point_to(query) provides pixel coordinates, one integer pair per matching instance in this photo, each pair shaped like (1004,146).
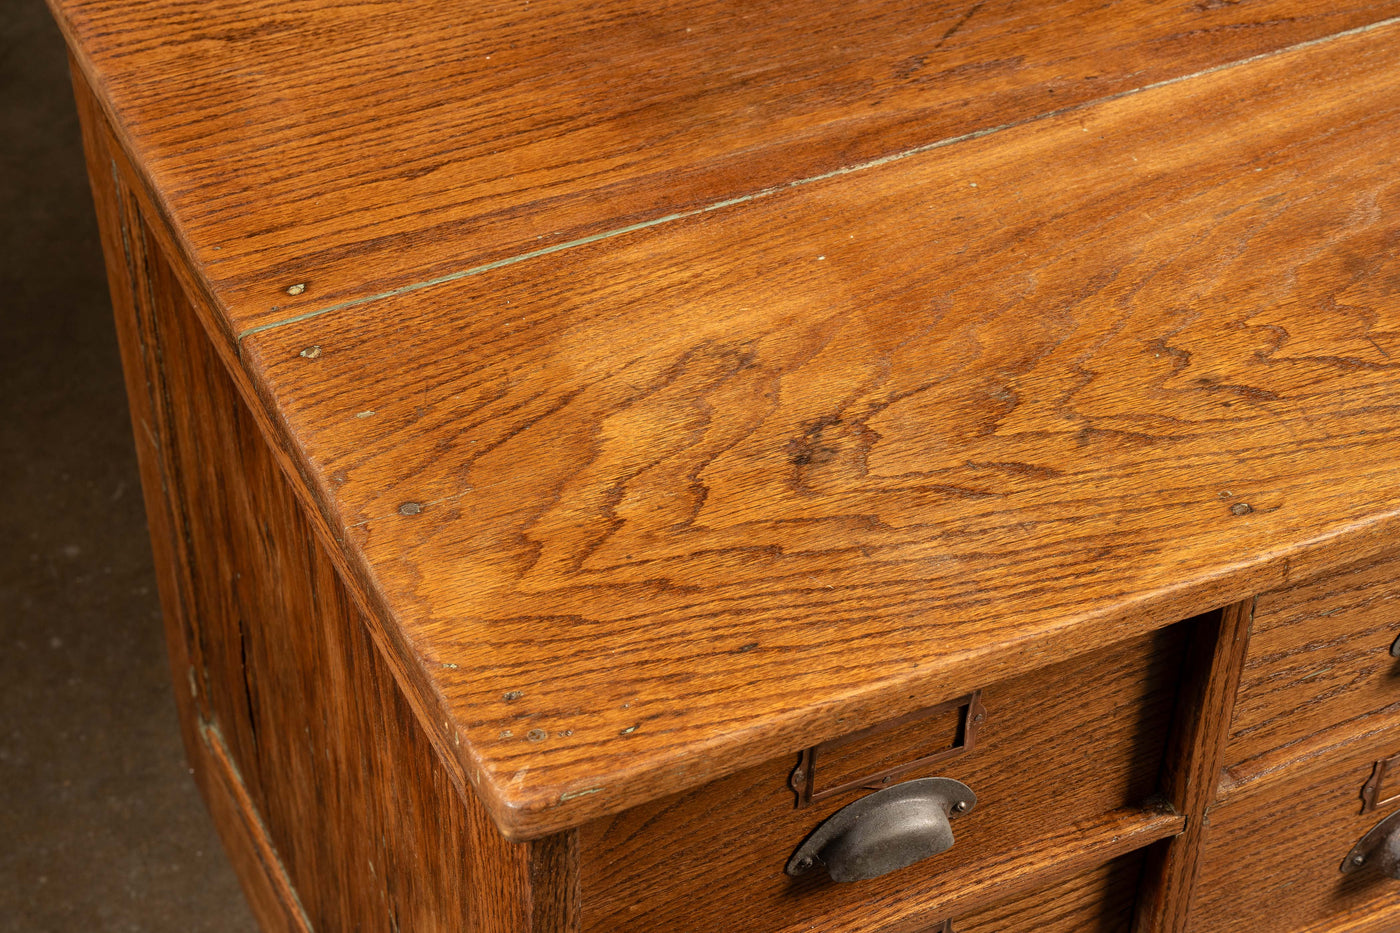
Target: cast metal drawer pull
(885,831)
(1381,846)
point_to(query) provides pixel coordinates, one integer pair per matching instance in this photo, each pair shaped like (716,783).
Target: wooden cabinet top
(686,385)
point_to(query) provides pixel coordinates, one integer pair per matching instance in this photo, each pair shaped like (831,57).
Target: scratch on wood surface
(578,793)
(962,21)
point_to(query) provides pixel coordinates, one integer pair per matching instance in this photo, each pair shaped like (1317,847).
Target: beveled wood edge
(270,872)
(1081,846)
(1290,761)
(1195,756)
(527,812)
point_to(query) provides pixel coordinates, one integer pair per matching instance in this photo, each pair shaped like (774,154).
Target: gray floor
(101,827)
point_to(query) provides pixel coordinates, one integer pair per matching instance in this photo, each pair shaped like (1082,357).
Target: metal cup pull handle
(1379,847)
(885,831)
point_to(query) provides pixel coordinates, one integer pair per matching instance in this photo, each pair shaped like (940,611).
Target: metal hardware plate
(804,777)
(1375,794)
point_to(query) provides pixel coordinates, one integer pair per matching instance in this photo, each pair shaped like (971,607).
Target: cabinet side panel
(335,808)
(263,880)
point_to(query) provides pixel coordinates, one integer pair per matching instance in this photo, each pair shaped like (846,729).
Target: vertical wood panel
(263,880)
(1196,754)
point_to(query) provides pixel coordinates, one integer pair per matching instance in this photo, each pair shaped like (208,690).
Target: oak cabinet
(589,449)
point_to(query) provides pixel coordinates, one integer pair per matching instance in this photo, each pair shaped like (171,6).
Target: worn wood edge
(272,874)
(1300,761)
(1080,846)
(1195,756)
(527,811)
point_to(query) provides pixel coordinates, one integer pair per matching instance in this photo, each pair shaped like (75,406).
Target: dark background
(101,827)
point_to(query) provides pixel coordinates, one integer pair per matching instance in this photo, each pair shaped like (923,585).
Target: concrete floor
(101,828)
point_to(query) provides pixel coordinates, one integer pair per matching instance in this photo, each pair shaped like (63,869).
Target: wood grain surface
(353,148)
(337,811)
(1098,901)
(1319,670)
(1095,728)
(660,507)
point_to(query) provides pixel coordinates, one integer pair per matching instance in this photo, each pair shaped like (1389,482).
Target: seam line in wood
(802,182)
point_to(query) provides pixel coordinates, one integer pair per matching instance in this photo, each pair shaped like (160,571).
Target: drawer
(1319,667)
(1065,766)
(1097,901)
(1274,849)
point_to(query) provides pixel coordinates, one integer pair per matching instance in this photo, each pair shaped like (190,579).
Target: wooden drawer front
(1319,667)
(1065,760)
(1274,850)
(1097,901)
